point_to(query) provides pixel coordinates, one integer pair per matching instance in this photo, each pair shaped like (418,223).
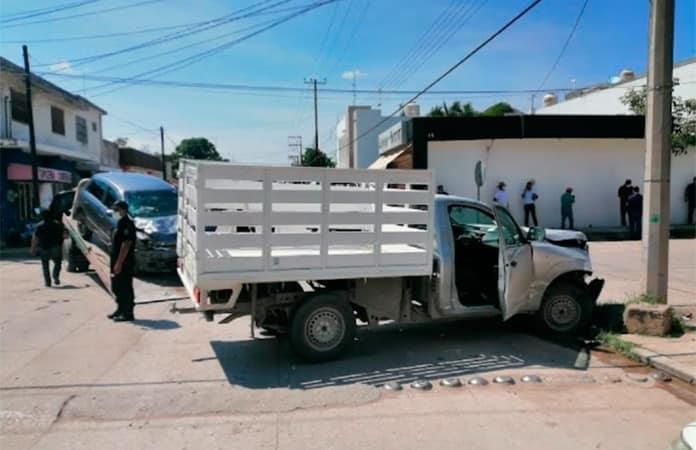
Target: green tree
(683,117)
(457,109)
(312,157)
(194,148)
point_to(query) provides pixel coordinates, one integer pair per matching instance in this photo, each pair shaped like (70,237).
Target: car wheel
(322,328)
(565,310)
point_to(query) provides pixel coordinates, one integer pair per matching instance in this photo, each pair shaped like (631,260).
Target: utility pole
(164,164)
(314,82)
(295,146)
(658,137)
(32,134)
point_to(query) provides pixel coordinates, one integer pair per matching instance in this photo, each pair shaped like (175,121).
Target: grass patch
(644,298)
(615,343)
(678,327)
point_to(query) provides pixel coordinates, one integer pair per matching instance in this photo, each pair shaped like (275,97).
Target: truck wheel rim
(562,313)
(324,329)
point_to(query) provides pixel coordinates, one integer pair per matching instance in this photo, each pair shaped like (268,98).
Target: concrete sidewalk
(675,356)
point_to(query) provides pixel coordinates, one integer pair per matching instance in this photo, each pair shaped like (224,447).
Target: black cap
(120,205)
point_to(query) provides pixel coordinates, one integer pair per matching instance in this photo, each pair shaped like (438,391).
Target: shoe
(56,282)
(122,318)
(114,314)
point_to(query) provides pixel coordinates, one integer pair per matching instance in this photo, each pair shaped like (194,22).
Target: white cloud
(62,66)
(353,74)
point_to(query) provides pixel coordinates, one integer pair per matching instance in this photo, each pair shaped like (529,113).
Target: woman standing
(529,197)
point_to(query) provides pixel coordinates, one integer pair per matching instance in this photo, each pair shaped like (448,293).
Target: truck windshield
(152,203)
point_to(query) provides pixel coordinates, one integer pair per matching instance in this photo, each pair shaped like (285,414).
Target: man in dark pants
(635,213)
(123,264)
(690,199)
(625,191)
(48,243)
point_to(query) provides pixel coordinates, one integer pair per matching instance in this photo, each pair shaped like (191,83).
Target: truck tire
(566,310)
(322,328)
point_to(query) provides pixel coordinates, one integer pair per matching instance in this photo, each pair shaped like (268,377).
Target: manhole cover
(478,381)
(531,379)
(451,382)
(393,386)
(423,385)
(503,379)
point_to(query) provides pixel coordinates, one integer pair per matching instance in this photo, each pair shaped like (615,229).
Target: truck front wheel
(322,328)
(565,310)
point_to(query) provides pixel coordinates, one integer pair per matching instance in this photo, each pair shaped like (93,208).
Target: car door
(516,265)
(107,220)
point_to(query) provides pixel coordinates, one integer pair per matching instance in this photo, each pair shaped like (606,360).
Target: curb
(663,363)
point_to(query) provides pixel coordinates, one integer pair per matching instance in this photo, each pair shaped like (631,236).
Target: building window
(57,120)
(81,129)
(94,126)
(19,106)
(25,201)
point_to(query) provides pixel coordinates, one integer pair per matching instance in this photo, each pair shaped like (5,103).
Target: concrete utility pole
(32,134)
(164,164)
(314,82)
(658,136)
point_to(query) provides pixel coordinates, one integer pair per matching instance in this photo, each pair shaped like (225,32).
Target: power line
(43,11)
(98,36)
(275,88)
(454,67)
(91,13)
(193,29)
(565,45)
(177,65)
(460,21)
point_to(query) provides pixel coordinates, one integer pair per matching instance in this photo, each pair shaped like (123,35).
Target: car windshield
(152,203)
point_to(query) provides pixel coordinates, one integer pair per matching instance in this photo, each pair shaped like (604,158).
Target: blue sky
(368,36)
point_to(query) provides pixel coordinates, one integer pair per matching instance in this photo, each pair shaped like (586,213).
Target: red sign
(22,172)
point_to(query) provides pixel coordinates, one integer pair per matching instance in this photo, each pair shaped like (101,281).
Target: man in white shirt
(501,196)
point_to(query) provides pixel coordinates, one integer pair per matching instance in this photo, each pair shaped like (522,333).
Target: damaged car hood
(158,228)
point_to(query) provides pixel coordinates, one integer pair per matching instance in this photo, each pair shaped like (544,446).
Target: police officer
(123,264)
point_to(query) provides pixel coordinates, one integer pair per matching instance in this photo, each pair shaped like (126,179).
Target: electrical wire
(565,45)
(198,27)
(178,65)
(43,11)
(98,36)
(91,13)
(451,69)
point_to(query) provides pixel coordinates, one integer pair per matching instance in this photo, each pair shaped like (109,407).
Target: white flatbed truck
(314,252)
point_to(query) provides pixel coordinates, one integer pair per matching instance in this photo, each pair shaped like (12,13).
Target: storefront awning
(22,172)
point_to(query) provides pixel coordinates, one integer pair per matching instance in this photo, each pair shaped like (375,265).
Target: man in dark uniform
(123,264)
(48,243)
(625,191)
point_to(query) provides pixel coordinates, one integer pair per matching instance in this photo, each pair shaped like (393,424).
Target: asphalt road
(71,379)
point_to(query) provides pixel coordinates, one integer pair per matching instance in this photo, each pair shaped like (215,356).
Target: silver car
(153,206)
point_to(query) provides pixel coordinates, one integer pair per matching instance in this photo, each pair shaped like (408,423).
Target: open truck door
(515,264)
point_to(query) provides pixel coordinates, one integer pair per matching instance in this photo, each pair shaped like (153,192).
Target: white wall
(608,101)
(593,167)
(53,143)
(367,147)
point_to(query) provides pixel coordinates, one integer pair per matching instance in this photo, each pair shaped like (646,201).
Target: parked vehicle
(315,252)
(152,203)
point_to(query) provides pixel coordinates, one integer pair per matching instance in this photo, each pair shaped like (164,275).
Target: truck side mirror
(536,234)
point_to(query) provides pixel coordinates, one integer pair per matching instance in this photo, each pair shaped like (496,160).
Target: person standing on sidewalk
(690,199)
(635,213)
(529,198)
(625,191)
(47,242)
(501,196)
(123,264)
(567,200)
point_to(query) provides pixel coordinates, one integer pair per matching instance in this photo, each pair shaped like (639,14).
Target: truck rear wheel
(566,310)
(322,328)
